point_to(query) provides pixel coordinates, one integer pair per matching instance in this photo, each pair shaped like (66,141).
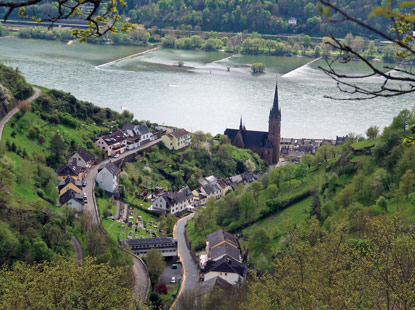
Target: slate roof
(186,190)
(173,198)
(179,133)
(115,137)
(68,169)
(84,154)
(226,264)
(207,286)
(68,180)
(225,249)
(151,241)
(68,195)
(128,126)
(251,138)
(222,235)
(142,129)
(112,168)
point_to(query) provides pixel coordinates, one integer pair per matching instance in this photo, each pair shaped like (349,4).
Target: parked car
(116,155)
(84,184)
(173,280)
(174,266)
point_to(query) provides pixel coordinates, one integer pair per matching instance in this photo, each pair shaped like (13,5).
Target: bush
(258,68)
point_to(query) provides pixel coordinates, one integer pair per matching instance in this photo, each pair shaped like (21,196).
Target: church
(265,144)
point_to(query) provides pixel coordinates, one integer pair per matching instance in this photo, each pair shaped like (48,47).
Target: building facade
(265,144)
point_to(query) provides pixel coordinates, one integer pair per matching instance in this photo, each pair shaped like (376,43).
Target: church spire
(275,114)
(240,124)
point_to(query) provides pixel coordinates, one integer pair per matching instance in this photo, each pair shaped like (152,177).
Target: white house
(139,131)
(81,158)
(72,199)
(114,143)
(173,202)
(107,177)
(226,268)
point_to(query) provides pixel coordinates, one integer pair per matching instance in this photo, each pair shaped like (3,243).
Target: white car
(173,280)
(116,155)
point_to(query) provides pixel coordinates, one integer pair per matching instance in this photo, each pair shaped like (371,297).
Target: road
(190,269)
(12,112)
(77,248)
(91,211)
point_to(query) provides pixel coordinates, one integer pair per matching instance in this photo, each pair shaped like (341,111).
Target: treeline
(270,17)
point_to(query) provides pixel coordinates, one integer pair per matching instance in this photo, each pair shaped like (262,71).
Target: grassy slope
(275,224)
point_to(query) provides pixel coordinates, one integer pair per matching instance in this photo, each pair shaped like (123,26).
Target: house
(69,184)
(107,177)
(81,158)
(114,143)
(174,202)
(226,268)
(292,21)
(212,190)
(140,247)
(177,140)
(71,170)
(140,131)
(72,199)
(199,198)
(221,236)
(207,286)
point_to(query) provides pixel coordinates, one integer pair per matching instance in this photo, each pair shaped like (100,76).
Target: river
(203,94)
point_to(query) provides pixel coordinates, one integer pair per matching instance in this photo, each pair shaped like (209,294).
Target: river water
(203,94)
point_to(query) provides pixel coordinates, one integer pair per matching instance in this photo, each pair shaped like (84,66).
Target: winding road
(91,211)
(190,269)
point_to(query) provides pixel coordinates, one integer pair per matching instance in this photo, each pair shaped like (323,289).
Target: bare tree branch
(392,84)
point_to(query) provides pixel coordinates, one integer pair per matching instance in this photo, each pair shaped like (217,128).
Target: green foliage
(258,68)
(155,265)
(41,287)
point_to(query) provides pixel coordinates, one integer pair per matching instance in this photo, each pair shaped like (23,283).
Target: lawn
(365,143)
(275,224)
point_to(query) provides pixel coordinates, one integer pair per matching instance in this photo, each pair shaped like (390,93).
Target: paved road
(190,269)
(12,112)
(77,248)
(91,211)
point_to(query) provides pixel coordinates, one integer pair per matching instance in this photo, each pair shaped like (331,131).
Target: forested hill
(269,17)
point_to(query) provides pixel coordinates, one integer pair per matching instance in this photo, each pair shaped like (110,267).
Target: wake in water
(300,70)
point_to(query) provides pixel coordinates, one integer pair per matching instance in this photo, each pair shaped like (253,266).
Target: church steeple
(240,124)
(275,114)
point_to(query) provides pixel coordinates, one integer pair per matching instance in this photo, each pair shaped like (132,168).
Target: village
(139,229)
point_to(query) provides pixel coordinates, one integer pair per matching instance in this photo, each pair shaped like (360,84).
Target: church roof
(251,138)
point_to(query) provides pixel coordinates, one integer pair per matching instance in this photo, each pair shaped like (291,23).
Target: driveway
(169,272)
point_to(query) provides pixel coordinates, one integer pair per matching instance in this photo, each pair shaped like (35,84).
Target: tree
(167,223)
(372,132)
(155,265)
(400,35)
(40,286)
(258,68)
(247,204)
(307,159)
(406,186)
(57,147)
